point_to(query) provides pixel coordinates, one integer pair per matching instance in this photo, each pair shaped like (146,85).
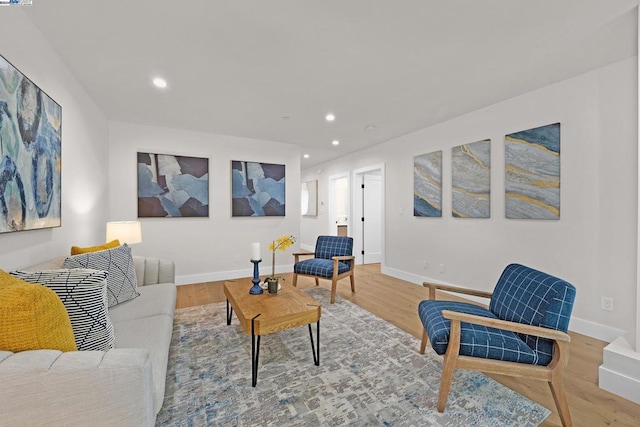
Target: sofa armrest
(48,387)
(150,271)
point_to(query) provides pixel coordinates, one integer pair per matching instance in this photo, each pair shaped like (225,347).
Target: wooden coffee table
(265,314)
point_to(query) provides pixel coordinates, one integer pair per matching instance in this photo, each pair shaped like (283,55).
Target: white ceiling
(237,67)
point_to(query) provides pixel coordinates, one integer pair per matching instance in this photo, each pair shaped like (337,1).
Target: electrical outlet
(236,258)
(607,304)
(425,264)
(443,268)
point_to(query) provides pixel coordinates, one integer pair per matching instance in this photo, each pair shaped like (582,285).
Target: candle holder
(255,289)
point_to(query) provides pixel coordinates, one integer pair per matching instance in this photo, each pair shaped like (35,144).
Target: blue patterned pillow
(83,293)
(122,284)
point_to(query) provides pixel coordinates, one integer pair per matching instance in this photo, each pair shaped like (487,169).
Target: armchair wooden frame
(334,279)
(552,373)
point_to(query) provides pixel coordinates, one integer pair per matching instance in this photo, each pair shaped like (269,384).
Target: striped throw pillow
(83,293)
(122,284)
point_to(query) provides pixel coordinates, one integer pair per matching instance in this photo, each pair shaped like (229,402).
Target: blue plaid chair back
(529,296)
(330,246)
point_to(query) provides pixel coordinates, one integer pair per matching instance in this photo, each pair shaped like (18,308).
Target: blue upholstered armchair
(333,259)
(523,332)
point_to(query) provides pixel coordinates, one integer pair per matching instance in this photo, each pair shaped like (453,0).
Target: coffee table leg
(316,354)
(229,313)
(255,353)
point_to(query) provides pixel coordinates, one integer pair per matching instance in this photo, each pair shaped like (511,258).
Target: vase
(272,285)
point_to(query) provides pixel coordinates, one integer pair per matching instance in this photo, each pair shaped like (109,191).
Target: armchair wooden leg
(425,340)
(317,282)
(334,282)
(560,398)
(295,279)
(353,282)
(449,364)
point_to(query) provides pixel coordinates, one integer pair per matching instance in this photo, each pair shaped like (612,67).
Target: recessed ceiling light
(330,117)
(306,156)
(335,142)
(370,128)
(160,82)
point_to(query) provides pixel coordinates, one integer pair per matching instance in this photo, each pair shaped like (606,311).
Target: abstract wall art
(427,184)
(172,186)
(257,189)
(532,173)
(471,180)
(30,154)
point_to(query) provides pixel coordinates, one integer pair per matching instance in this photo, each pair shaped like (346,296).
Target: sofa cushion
(122,282)
(154,334)
(76,250)
(153,300)
(32,317)
(84,294)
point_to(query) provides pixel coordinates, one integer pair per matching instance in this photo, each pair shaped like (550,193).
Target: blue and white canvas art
(532,173)
(258,189)
(172,186)
(30,154)
(427,184)
(471,180)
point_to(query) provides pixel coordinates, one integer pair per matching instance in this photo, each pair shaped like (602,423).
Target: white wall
(593,245)
(84,149)
(204,248)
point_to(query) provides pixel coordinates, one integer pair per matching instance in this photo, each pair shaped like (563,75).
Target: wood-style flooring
(397,301)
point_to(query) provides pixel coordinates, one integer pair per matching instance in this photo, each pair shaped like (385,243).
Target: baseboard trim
(620,370)
(581,326)
(228,275)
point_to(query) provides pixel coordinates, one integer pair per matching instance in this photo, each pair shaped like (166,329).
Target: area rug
(370,374)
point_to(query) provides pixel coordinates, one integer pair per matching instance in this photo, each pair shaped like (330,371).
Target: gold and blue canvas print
(471,180)
(532,173)
(172,186)
(427,184)
(257,189)
(30,154)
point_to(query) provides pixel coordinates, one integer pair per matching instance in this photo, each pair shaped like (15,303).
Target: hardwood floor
(397,302)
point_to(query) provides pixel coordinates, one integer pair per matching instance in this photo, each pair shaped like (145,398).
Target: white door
(339,202)
(368,214)
(372,224)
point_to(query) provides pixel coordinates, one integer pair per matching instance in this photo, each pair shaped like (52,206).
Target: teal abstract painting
(532,173)
(471,180)
(427,184)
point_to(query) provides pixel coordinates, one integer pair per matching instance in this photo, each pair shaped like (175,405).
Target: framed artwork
(532,173)
(471,180)
(257,189)
(172,186)
(30,154)
(309,198)
(427,184)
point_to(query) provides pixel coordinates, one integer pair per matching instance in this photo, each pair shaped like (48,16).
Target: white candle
(255,251)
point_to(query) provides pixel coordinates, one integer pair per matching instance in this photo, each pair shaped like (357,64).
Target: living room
(593,245)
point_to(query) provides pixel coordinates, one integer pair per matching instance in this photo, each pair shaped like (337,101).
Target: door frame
(357,211)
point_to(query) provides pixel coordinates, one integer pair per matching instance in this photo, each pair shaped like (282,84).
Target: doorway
(369,213)
(339,203)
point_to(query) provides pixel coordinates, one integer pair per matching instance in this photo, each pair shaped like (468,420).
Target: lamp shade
(128,232)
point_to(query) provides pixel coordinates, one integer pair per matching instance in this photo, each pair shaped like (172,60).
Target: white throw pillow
(83,293)
(122,284)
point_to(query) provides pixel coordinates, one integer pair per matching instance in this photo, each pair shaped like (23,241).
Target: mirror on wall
(309,198)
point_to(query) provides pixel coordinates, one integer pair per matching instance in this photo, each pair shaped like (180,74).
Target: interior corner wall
(84,149)
(593,245)
(204,249)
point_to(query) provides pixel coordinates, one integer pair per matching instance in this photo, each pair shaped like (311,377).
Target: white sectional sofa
(121,387)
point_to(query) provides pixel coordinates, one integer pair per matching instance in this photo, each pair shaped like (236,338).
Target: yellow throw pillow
(32,317)
(76,250)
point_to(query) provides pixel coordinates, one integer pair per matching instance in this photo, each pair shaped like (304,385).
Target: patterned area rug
(370,373)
